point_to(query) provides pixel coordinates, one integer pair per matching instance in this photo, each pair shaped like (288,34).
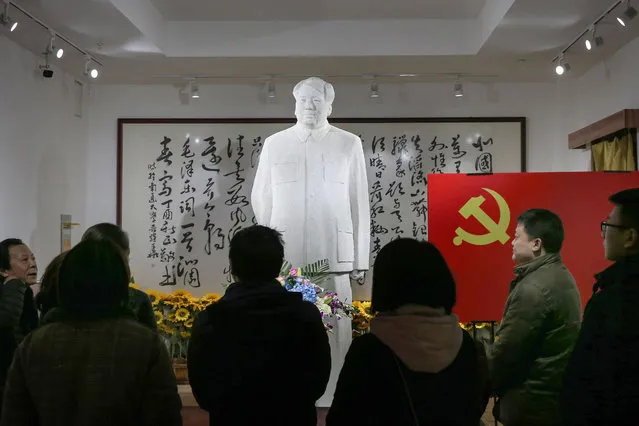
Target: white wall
(42,152)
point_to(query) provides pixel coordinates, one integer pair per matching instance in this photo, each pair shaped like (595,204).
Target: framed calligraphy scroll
(184,184)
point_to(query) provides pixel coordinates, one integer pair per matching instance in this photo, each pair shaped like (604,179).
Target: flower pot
(181,371)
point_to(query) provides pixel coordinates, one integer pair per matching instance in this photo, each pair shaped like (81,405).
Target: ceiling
(293,10)
(169,41)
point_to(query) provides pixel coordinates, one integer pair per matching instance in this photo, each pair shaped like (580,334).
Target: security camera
(47,72)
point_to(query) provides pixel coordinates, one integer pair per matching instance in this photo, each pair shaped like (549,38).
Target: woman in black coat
(417,366)
(139,303)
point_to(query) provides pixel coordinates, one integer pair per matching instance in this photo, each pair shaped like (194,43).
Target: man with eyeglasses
(601,383)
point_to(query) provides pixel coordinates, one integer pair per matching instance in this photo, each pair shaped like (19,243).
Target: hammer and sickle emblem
(496,231)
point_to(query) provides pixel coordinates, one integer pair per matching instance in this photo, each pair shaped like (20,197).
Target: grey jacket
(534,341)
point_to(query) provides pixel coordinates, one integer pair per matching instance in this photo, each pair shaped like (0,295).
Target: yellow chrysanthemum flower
(171,317)
(155,296)
(185,334)
(158,317)
(188,323)
(164,329)
(182,314)
(181,293)
(213,297)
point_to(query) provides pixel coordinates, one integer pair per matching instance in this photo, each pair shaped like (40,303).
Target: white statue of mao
(311,186)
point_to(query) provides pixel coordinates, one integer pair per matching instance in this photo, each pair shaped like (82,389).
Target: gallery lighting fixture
(195,91)
(562,65)
(629,13)
(593,40)
(59,52)
(91,63)
(270,89)
(374,90)
(458,90)
(589,36)
(89,69)
(5,19)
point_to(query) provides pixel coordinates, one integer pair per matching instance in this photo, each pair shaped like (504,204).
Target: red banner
(472,218)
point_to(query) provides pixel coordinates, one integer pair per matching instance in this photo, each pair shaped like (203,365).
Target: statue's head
(313,102)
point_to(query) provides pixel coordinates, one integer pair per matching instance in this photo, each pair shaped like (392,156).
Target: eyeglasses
(605,225)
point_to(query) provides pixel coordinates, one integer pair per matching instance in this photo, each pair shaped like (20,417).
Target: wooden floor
(194,416)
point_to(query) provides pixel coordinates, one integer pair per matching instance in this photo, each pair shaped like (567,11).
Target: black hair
(93,281)
(5,254)
(545,225)
(47,297)
(111,232)
(408,271)
(628,201)
(256,254)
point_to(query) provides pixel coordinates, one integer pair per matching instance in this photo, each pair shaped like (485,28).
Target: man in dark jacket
(260,355)
(539,326)
(18,314)
(601,386)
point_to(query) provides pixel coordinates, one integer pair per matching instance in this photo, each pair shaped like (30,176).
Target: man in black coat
(601,383)
(260,355)
(18,313)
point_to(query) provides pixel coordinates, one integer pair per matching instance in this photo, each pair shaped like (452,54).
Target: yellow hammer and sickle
(496,231)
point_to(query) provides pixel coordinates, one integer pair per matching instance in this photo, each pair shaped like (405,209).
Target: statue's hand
(357,275)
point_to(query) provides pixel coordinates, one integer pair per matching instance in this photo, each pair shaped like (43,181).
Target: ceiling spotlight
(562,66)
(195,92)
(374,90)
(6,20)
(593,39)
(59,53)
(88,70)
(458,90)
(270,89)
(628,14)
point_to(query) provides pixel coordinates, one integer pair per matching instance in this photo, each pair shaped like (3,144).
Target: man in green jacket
(539,326)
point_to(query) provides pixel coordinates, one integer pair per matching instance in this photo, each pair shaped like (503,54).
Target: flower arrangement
(304,280)
(176,311)
(362,317)
(174,314)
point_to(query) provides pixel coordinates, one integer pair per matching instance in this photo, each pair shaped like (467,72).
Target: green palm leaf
(316,272)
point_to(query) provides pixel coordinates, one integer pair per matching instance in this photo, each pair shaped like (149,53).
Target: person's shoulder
(281,136)
(553,277)
(368,344)
(139,295)
(211,314)
(345,134)
(14,286)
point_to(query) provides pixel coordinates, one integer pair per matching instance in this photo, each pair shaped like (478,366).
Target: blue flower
(308,292)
